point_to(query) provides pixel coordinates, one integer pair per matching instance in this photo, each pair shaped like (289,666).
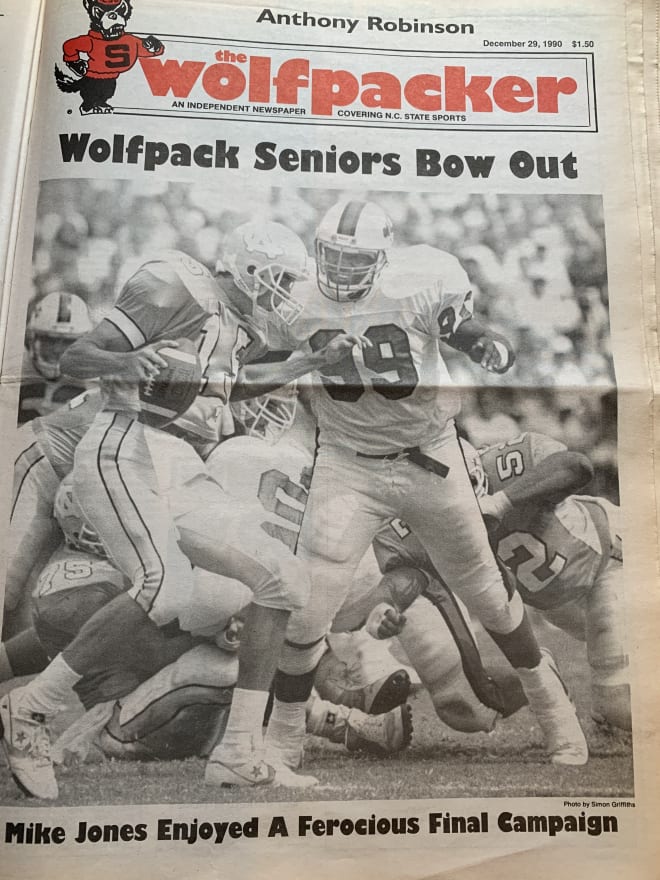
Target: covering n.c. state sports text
(329,357)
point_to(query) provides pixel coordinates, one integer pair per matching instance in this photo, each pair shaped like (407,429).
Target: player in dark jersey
(46,448)
(563,554)
(560,551)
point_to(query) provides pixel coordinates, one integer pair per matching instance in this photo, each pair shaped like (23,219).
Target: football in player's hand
(170,393)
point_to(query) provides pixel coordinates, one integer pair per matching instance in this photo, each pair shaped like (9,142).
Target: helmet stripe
(349,218)
(64,311)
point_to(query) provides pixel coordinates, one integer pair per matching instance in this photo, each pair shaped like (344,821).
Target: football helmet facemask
(478,476)
(265,260)
(56,321)
(78,534)
(270,416)
(351,245)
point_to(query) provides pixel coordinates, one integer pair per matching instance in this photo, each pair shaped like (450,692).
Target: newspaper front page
(327,415)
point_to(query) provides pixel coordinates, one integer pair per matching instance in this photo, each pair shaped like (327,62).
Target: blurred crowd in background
(537,263)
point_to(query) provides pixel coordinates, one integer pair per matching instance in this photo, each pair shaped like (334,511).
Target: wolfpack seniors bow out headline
(453,87)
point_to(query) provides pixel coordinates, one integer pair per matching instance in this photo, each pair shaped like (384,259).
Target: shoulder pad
(419,269)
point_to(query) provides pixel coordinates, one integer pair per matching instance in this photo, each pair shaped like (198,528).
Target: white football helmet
(265,259)
(78,534)
(56,321)
(478,476)
(270,416)
(351,243)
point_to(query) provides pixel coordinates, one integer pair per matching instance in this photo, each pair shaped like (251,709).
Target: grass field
(439,763)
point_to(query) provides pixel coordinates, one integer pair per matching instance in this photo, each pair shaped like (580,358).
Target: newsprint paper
(328,361)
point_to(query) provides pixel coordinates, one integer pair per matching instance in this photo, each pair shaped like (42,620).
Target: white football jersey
(251,470)
(267,482)
(398,392)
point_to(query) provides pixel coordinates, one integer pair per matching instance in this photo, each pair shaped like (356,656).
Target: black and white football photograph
(315,498)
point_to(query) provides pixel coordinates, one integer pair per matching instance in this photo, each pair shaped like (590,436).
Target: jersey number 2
(389,357)
(529,560)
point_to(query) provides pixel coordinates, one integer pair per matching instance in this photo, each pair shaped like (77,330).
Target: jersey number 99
(389,357)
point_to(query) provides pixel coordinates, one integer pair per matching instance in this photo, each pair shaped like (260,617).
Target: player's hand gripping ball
(168,394)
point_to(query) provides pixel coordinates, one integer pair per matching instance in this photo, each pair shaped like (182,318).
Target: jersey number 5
(389,357)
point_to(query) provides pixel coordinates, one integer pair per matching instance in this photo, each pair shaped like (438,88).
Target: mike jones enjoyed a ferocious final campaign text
(37,833)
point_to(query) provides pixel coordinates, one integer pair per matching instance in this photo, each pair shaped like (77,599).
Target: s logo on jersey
(94,60)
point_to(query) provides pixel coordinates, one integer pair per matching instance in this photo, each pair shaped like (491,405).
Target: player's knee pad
(299,659)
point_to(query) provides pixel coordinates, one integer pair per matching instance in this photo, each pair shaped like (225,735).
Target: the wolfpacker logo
(95,59)
(493,90)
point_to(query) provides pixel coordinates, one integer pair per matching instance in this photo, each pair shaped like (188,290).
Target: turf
(439,763)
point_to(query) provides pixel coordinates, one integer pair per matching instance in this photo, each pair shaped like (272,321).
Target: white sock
(243,733)
(286,732)
(49,691)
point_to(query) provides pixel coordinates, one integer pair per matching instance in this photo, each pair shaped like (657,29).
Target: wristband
(497,505)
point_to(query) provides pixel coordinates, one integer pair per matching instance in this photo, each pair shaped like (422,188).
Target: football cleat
(287,778)
(555,713)
(379,734)
(386,693)
(285,762)
(245,775)
(344,685)
(26,743)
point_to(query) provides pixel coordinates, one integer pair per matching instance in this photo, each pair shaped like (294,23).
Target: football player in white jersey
(437,635)
(388,447)
(122,483)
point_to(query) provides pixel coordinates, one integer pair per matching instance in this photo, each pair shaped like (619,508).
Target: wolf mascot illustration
(108,51)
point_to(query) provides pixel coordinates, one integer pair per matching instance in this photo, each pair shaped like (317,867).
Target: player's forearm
(467,335)
(256,379)
(483,345)
(86,360)
(550,481)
